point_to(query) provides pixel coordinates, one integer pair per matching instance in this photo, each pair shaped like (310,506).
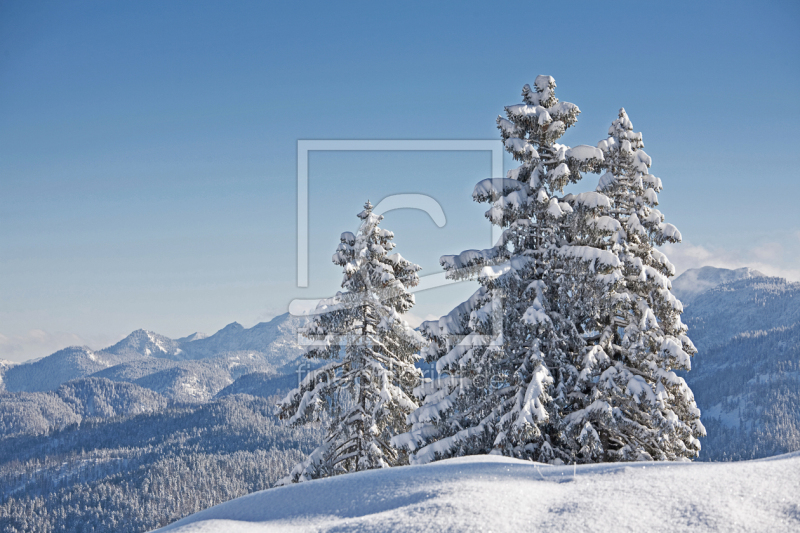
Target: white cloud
(36,343)
(415,320)
(768,258)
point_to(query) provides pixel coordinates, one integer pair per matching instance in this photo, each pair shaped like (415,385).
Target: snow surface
(492,493)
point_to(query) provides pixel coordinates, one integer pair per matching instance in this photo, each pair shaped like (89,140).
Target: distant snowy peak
(277,339)
(146,343)
(192,368)
(694,282)
(193,337)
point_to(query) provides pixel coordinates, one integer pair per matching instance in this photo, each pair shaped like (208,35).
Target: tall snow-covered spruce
(363,395)
(502,356)
(628,402)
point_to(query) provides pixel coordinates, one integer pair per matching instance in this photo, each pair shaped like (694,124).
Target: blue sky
(148,149)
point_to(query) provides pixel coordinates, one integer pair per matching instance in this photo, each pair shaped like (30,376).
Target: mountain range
(189,369)
(178,425)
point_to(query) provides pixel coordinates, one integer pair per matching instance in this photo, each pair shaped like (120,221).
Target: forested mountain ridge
(746,375)
(131,437)
(39,413)
(751,304)
(749,391)
(62,366)
(135,473)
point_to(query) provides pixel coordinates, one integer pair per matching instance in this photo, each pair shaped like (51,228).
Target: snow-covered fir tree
(628,403)
(500,356)
(363,395)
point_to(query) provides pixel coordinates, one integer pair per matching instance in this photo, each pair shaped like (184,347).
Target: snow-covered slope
(189,381)
(749,392)
(696,281)
(486,493)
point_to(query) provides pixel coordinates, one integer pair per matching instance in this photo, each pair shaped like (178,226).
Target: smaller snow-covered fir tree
(363,394)
(628,403)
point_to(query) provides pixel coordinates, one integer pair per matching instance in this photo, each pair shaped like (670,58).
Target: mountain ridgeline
(190,369)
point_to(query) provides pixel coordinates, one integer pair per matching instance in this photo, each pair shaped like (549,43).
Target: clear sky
(148,149)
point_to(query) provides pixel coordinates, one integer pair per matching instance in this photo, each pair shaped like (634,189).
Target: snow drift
(491,493)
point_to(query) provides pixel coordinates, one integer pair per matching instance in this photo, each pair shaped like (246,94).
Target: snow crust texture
(491,493)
